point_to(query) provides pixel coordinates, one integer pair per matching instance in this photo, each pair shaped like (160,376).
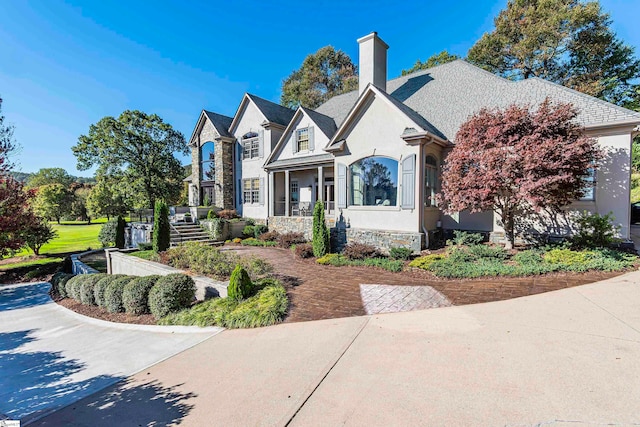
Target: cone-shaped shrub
(240,285)
(161,227)
(171,293)
(320,232)
(135,296)
(120,226)
(113,294)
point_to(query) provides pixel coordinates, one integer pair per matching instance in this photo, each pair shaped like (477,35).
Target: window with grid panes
(251,190)
(430,181)
(250,146)
(303,139)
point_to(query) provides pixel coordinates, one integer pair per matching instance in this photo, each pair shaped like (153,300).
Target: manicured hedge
(171,293)
(72,287)
(87,288)
(101,286)
(135,296)
(113,294)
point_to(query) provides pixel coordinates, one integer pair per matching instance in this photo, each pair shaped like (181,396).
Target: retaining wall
(79,267)
(120,263)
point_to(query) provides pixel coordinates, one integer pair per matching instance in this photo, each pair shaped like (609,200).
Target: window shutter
(240,190)
(294,141)
(408,182)
(261,143)
(261,192)
(342,186)
(311,143)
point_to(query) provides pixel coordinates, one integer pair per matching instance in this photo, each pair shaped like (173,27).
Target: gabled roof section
(220,123)
(448,94)
(324,123)
(274,113)
(418,123)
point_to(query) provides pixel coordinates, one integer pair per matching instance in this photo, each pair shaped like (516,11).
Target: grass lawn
(28,262)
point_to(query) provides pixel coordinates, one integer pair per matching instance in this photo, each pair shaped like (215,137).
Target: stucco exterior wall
(377,132)
(320,141)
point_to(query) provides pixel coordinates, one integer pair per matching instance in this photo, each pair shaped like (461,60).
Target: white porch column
(320,189)
(287,196)
(271,195)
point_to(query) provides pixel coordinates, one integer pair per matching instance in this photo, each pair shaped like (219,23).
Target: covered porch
(295,191)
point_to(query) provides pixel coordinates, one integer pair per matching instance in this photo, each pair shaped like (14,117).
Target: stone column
(287,196)
(271,196)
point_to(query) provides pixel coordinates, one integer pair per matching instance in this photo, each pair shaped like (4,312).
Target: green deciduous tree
(136,151)
(569,42)
(47,176)
(324,74)
(435,59)
(53,201)
(105,200)
(39,233)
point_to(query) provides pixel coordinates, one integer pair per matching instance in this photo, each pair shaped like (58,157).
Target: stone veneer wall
(120,263)
(384,240)
(296,224)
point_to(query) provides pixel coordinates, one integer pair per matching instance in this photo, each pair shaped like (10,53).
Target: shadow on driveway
(12,298)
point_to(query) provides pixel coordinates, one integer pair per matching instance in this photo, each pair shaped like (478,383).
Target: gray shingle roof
(326,124)
(273,112)
(448,94)
(220,122)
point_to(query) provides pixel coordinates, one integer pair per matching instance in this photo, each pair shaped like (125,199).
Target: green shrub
(72,286)
(120,226)
(252,241)
(594,230)
(107,235)
(240,285)
(400,253)
(355,250)
(287,239)
(145,246)
(487,251)
(267,307)
(320,239)
(87,288)
(237,240)
(332,259)
(171,293)
(149,255)
(161,227)
(248,230)
(528,257)
(463,238)
(58,283)
(424,262)
(113,294)
(393,265)
(135,295)
(101,286)
(259,230)
(211,214)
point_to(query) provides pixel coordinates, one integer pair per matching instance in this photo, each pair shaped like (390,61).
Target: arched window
(208,161)
(250,146)
(430,181)
(374,182)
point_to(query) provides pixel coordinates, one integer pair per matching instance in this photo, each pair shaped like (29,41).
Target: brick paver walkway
(324,292)
(392,299)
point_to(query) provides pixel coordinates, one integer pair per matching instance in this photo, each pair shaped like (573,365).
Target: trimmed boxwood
(135,296)
(101,286)
(171,293)
(86,288)
(113,294)
(72,287)
(59,281)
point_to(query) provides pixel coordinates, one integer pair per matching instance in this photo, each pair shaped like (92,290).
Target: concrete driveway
(50,357)
(569,357)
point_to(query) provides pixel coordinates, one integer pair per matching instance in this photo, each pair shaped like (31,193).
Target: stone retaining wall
(120,263)
(296,224)
(384,240)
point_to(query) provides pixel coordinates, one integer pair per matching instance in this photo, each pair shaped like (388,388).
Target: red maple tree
(514,160)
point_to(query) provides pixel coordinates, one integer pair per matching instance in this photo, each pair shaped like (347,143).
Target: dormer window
(250,146)
(302,138)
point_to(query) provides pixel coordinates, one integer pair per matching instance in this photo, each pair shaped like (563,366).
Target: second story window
(250,146)
(302,139)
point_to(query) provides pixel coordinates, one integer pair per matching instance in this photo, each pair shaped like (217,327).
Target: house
(373,156)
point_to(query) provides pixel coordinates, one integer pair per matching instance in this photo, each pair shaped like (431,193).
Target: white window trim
(298,132)
(254,145)
(253,192)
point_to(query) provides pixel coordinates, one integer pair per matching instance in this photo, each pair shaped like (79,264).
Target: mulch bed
(42,273)
(102,314)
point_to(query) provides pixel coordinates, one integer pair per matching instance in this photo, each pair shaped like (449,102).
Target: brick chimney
(373,62)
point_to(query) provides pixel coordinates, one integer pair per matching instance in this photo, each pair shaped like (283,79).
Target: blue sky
(65,65)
